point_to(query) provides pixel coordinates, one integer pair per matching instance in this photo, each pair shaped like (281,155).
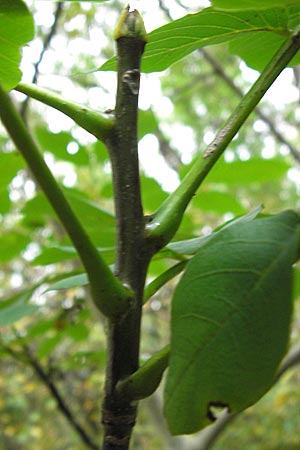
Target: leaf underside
(171,42)
(230,320)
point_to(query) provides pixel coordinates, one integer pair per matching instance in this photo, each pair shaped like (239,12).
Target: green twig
(168,217)
(94,122)
(109,295)
(145,380)
(162,279)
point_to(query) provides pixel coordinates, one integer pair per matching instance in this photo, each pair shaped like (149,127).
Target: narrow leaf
(17,307)
(192,246)
(230,320)
(70,282)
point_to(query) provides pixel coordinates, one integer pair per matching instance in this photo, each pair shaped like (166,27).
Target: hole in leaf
(215,409)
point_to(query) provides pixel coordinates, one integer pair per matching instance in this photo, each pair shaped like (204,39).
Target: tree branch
(272,127)
(61,404)
(100,125)
(109,295)
(123,336)
(146,379)
(168,217)
(26,357)
(162,279)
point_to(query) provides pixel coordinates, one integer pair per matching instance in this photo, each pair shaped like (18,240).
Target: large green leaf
(230,320)
(16,30)
(210,26)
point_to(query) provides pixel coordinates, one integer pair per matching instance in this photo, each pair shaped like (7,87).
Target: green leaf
(59,253)
(16,30)
(11,245)
(152,194)
(98,223)
(10,164)
(217,201)
(192,246)
(70,282)
(255,170)
(16,307)
(231,320)
(60,145)
(210,26)
(252,4)
(147,123)
(49,344)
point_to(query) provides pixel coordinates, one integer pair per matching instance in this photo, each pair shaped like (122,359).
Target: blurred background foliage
(52,343)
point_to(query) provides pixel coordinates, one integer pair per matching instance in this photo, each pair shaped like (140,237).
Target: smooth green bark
(98,124)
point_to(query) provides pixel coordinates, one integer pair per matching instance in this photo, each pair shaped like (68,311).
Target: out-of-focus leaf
(77,331)
(39,328)
(99,224)
(147,123)
(60,144)
(54,254)
(17,28)
(152,194)
(59,253)
(217,201)
(254,170)
(210,26)
(5,202)
(70,282)
(10,164)
(11,245)
(231,320)
(16,307)
(49,344)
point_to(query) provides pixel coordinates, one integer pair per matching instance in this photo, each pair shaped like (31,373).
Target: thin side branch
(100,125)
(272,127)
(109,295)
(61,403)
(168,217)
